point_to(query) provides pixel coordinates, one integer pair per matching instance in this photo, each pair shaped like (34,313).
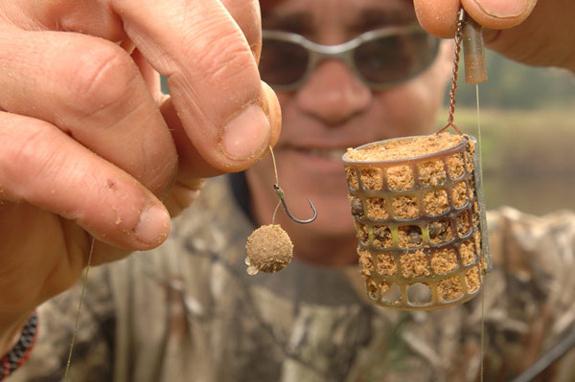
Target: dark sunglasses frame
(344,52)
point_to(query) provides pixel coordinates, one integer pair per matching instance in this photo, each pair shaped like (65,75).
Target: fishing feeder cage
(420,229)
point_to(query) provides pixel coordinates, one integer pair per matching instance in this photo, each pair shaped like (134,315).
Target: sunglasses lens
(282,63)
(390,59)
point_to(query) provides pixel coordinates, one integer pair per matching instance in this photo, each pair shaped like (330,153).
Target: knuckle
(161,170)
(31,155)
(103,78)
(31,158)
(247,15)
(227,59)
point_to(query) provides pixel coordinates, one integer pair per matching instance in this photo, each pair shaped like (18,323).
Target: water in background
(528,131)
(536,195)
(528,157)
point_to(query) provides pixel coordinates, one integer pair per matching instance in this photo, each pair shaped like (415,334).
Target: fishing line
(84,282)
(480,146)
(277,182)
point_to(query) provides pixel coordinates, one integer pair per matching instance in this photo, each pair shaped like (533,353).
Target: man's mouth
(325,153)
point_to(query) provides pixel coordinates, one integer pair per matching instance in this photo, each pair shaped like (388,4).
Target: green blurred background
(527,120)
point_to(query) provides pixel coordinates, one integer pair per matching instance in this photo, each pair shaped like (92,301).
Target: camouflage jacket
(189,312)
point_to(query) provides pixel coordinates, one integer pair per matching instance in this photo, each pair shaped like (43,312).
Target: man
(189,311)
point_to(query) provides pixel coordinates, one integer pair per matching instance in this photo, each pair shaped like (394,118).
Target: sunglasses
(381,58)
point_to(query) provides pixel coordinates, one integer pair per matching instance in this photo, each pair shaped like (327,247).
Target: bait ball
(269,249)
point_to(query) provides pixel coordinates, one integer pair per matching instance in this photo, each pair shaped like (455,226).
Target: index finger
(211,71)
(439,17)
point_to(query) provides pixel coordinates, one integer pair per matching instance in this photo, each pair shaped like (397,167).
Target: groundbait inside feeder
(418,221)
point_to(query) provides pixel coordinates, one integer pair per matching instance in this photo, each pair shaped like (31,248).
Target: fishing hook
(281,196)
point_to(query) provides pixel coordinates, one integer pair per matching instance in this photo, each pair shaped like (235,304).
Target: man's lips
(322,152)
(325,150)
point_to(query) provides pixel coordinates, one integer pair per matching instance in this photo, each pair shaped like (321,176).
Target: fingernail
(247,135)
(503,9)
(154,225)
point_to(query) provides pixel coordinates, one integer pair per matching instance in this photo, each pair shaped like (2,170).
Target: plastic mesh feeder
(418,222)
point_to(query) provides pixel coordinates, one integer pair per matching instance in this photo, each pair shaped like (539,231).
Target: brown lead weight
(421,234)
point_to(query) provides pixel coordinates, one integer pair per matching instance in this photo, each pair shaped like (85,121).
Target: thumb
(439,17)
(497,14)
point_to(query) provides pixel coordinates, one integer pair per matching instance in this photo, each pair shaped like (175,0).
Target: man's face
(334,110)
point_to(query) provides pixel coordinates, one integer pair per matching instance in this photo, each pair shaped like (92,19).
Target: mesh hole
(405,207)
(468,253)
(469,162)
(362,233)
(459,195)
(376,208)
(473,279)
(376,289)
(386,264)
(410,236)
(414,264)
(392,295)
(462,224)
(450,289)
(477,239)
(419,294)
(400,178)
(456,165)
(371,178)
(432,173)
(436,202)
(444,261)
(440,231)
(382,237)
(356,208)
(352,181)
(365,262)
(475,214)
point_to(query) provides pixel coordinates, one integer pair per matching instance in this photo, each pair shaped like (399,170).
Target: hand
(88,145)
(533,32)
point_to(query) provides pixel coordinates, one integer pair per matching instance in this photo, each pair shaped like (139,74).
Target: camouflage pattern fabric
(189,312)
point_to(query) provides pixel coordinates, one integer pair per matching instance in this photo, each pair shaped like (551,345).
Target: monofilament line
(480,147)
(84,281)
(277,182)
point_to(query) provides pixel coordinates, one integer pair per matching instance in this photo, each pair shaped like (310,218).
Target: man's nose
(333,93)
